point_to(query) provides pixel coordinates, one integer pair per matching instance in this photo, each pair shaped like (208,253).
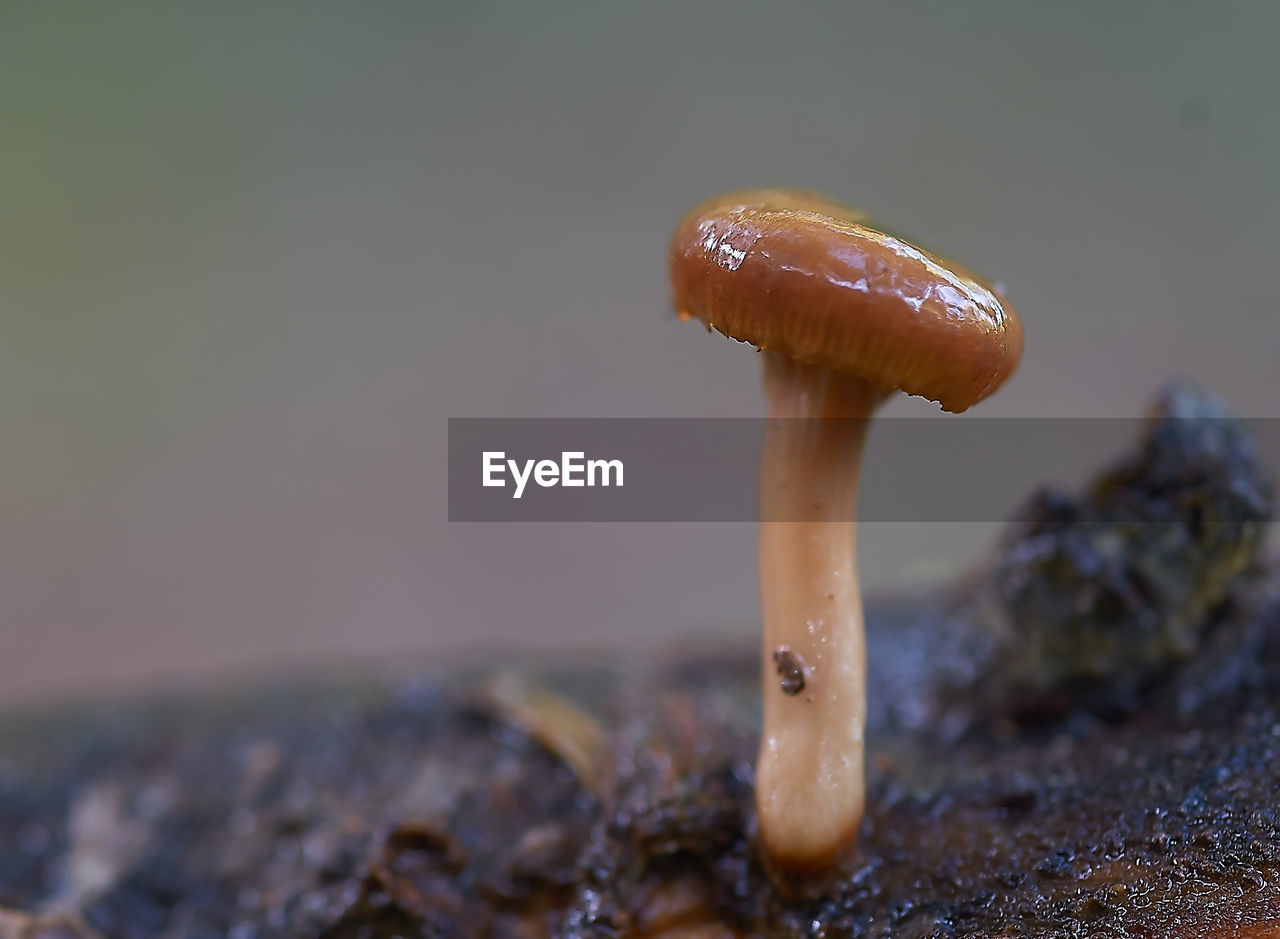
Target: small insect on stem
(791,668)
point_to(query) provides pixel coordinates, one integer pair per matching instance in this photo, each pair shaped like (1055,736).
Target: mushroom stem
(809,782)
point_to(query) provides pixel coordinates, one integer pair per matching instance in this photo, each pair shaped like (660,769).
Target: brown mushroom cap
(797,273)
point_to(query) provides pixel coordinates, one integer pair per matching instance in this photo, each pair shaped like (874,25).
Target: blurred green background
(253,256)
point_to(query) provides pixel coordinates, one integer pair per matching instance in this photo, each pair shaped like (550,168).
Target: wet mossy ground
(1084,740)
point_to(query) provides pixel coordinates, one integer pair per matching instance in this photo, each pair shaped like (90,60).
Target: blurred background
(254,256)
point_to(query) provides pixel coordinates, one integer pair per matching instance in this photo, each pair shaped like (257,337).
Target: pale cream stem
(809,785)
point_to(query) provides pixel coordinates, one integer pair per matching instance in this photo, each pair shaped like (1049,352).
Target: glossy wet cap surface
(800,274)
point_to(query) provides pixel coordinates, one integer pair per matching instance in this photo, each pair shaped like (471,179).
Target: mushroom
(844,313)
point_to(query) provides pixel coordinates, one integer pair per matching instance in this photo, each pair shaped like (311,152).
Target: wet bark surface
(1082,740)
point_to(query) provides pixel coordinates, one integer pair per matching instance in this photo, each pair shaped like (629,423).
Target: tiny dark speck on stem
(791,668)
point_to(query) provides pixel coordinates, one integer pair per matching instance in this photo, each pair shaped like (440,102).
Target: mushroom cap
(797,273)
